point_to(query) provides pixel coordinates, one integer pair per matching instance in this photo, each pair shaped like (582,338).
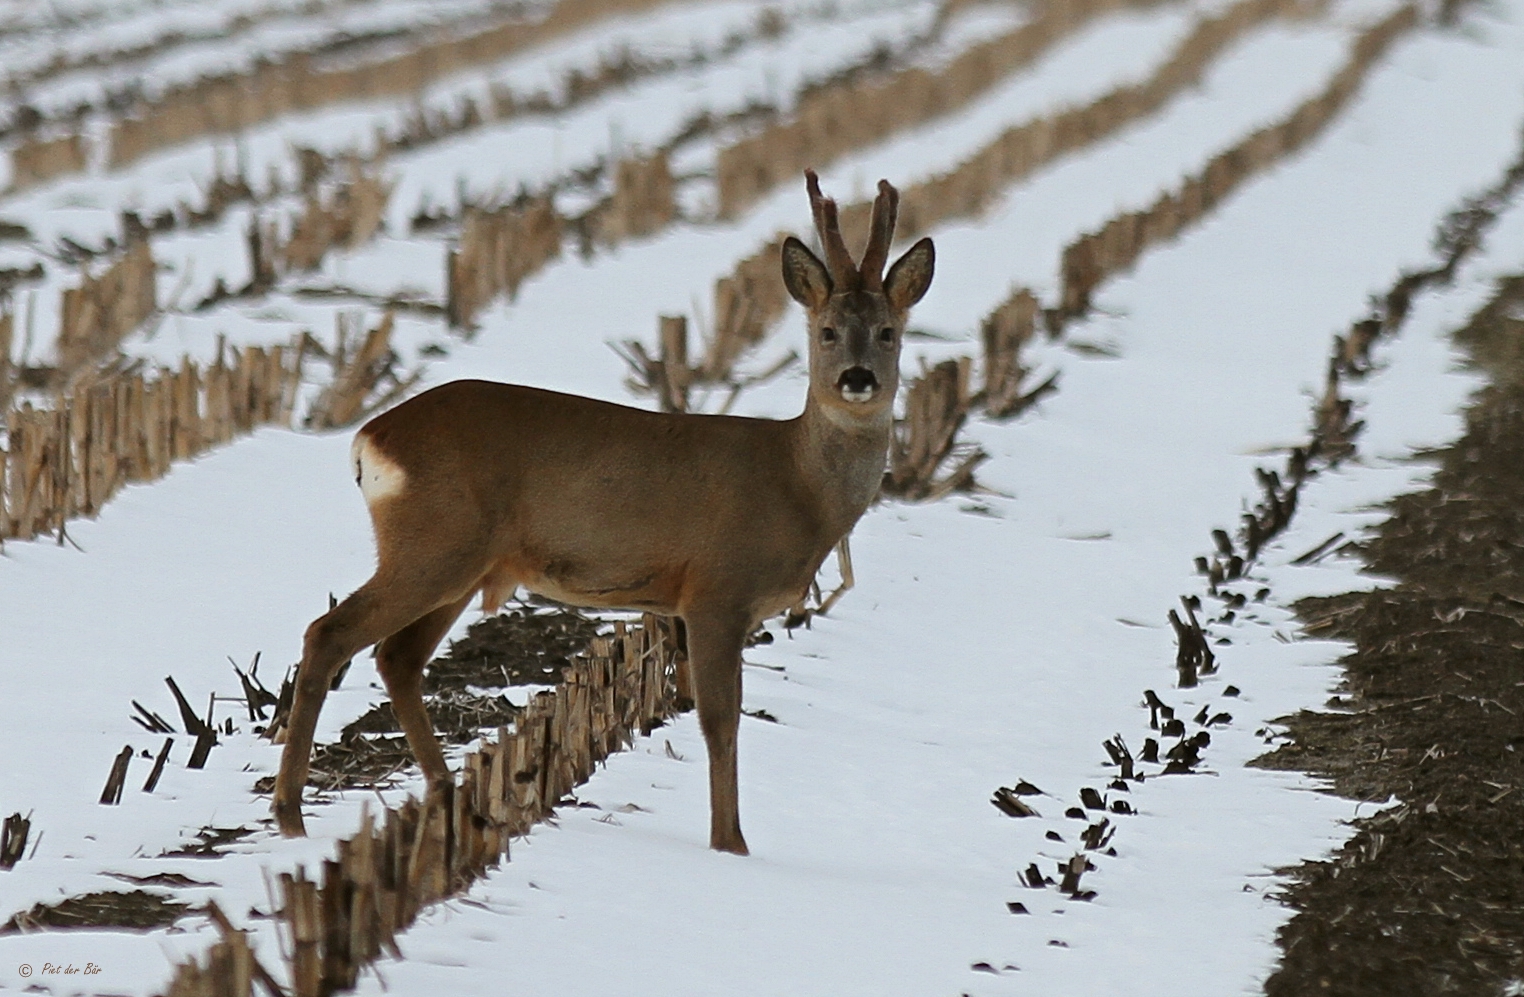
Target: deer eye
(886,335)
(828,335)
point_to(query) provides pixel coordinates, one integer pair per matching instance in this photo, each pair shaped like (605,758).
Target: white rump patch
(377,475)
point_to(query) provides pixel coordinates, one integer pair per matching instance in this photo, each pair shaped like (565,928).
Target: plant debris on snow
(523,646)
(1425,897)
(139,910)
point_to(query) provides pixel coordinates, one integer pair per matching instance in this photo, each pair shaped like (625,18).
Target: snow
(499,157)
(989,639)
(217,39)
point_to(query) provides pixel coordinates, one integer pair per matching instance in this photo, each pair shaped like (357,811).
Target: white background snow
(990,638)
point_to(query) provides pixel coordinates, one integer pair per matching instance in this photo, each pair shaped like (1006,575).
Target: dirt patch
(210,843)
(1425,898)
(521,647)
(138,910)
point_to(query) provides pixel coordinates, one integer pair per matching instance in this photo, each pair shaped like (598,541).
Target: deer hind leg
(714,662)
(376,610)
(400,659)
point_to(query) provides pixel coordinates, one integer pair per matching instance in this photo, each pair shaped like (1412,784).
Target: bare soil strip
(1425,898)
(1176,744)
(464,690)
(139,910)
(1321,957)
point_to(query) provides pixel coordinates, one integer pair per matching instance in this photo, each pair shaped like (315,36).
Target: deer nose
(857,384)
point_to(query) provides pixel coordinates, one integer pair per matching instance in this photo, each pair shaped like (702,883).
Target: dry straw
(37,160)
(364,381)
(937,402)
(101,311)
(109,428)
(417,854)
(348,216)
(926,439)
(643,203)
(833,121)
(7,328)
(125,426)
(751,298)
(343,216)
(1118,244)
(233,102)
(500,248)
(1005,332)
(497,250)
(68,460)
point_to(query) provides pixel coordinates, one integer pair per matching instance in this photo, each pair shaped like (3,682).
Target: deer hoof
(289,820)
(732,843)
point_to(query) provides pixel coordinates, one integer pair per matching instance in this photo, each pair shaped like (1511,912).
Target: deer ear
(910,276)
(804,275)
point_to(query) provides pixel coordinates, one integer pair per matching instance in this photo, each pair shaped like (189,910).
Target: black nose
(858,380)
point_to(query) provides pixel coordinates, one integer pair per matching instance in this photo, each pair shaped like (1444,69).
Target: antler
(847,275)
(881,233)
(844,272)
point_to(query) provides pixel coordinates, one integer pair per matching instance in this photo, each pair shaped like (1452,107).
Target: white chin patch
(857,396)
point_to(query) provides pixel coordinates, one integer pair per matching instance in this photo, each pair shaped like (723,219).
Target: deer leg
(400,659)
(844,562)
(714,663)
(374,611)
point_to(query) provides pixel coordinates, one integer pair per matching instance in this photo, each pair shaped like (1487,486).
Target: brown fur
(719,520)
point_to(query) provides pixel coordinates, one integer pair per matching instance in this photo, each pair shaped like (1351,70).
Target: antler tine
(838,259)
(885,211)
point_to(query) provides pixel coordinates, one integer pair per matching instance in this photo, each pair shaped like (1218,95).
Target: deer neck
(841,455)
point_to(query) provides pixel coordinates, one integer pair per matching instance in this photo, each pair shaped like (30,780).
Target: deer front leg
(714,662)
(844,562)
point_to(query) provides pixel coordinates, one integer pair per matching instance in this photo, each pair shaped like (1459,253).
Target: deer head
(856,313)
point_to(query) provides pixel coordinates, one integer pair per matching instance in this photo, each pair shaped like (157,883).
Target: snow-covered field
(990,638)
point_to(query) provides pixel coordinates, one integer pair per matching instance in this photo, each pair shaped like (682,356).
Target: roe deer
(719,520)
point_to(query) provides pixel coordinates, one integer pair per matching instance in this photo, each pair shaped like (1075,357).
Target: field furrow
(1194,199)
(60,78)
